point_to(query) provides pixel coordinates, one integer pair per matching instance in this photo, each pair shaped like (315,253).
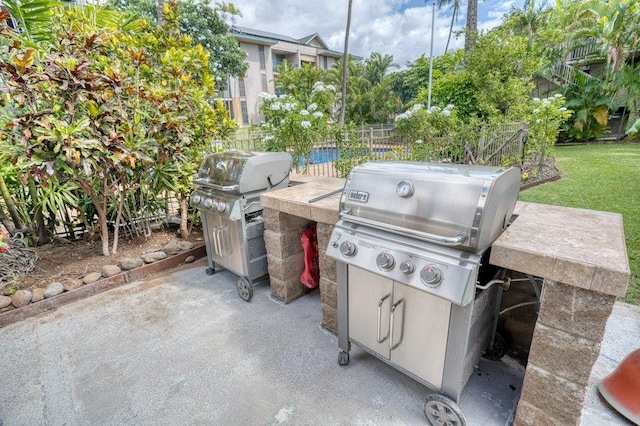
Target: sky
(401,28)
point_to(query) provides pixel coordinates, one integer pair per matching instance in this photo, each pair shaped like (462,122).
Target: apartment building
(265,51)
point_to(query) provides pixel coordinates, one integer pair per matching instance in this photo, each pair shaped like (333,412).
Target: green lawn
(600,177)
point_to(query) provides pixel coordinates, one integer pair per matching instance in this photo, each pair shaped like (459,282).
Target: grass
(605,178)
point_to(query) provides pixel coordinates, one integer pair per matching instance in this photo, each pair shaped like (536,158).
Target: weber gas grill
(227,194)
(414,285)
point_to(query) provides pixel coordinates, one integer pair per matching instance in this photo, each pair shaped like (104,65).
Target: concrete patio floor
(183,348)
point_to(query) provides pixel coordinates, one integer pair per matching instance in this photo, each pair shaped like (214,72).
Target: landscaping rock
(21,298)
(190,259)
(4,301)
(37,295)
(110,270)
(129,263)
(154,256)
(72,285)
(92,277)
(53,289)
(175,247)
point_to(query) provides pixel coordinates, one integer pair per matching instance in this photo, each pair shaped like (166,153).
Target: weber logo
(359,196)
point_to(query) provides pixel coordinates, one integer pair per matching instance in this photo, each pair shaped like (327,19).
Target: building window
(263,59)
(229,106)
(325,62)
(265,88)
(245,112)
(277,60)
(241,88)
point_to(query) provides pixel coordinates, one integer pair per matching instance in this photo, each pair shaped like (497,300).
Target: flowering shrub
(295,126)
(547,116)
(434,134)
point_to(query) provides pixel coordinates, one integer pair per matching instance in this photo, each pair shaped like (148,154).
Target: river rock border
(103,282)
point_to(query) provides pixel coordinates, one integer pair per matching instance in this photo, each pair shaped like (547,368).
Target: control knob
(431,276)
(208,203)
(196,199)
(406,267)
(347,248)
(385,261)
(221,206)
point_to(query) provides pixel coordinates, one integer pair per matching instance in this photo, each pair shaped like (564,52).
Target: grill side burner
(228,187)
(410,246)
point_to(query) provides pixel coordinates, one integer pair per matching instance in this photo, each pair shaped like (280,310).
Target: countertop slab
(583,248)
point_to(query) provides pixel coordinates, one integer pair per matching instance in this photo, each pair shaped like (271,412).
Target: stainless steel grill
(227,194)
(414,288)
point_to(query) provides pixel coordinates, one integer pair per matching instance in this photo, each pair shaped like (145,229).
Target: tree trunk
(11,207)
(41,229)
(160,12)
(345,63)
(184,217)
(472,25)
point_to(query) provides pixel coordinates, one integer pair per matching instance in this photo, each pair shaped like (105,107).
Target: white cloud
(401,28)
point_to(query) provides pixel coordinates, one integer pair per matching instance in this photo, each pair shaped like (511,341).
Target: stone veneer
(287,213)
(581,255)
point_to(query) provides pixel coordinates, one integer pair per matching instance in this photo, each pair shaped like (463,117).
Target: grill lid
(461,206)
(245,171)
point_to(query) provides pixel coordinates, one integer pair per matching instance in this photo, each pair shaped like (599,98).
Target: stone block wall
(328,285)
(565,346)
(285,257)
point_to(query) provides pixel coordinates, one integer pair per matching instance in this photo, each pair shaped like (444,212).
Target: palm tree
(454,16)
(345,57)
(472,21)
(377,65)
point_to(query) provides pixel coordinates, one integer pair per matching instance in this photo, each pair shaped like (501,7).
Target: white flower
(538,121)
(275,106)
(268,138)
(305,124)
(536,99)
(535,111)
(449,106)
(563,109)
(557,95)
(304,112)
(317,114)
(446,112)
(419,141)
(312,107)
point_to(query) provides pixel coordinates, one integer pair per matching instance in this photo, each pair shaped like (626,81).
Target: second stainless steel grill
(227,194)
(414,287)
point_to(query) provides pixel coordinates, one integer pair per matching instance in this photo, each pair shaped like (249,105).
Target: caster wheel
(497,350)
(343,358)
(245,289)
(210,271)
(441,410)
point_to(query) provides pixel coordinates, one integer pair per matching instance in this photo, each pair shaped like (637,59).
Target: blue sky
(401,28)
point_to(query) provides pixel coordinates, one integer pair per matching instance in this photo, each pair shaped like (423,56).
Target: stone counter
(581,254)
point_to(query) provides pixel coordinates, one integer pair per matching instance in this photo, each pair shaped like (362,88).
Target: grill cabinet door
(421,326)
(370,298)
(400,323)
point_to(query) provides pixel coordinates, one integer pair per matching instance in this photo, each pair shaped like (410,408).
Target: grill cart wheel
(343,358)
(245,289)
(210,271)
(441,410)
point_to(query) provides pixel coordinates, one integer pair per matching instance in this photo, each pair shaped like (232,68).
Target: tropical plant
(546,119)
(591,105)
(204,23)
(294,125)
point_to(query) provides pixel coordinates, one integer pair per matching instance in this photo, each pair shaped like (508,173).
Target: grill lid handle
(424,236)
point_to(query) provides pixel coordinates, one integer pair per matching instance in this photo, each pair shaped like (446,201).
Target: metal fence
(498,145)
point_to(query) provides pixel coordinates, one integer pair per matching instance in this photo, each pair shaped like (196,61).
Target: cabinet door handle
(393,312)
(380,303)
